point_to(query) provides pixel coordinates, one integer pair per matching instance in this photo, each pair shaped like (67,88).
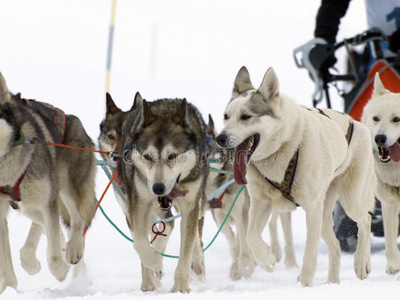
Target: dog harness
(286,185)
(50,112)
(217,202)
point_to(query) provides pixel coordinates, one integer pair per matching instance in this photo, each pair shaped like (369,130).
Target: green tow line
(173,256)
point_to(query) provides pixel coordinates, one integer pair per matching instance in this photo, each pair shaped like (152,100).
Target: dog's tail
(4,93)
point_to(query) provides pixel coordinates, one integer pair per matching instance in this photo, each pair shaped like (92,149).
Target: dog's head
(382,117)
(164,147)
(111,127)
(251,118)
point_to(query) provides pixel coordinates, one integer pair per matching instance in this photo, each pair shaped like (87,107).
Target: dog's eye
(147,157)
(171,157)
(226,117)
(111,137)
(376,119)
(396,119)
(245,117)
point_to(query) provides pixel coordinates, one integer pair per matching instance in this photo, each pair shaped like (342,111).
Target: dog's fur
(162,161)
(243,262)
(59,181)
(382,116)
(270,127)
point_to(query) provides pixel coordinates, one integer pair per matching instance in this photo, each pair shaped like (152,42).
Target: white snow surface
(55,51)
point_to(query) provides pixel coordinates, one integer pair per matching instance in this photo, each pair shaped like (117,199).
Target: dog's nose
(380,139)
(159,189)
(222,139)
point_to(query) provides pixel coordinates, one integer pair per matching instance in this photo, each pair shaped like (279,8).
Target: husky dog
(43,183)
(243,262)
(291,155)
(163,162)
(382,117)
(110,140)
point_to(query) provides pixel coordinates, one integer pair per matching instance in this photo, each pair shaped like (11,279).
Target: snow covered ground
(55,51)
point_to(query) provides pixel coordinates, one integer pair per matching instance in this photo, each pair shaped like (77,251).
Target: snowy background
(55,51)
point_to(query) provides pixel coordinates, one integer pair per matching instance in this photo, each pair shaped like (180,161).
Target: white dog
(382,117)
(289,155)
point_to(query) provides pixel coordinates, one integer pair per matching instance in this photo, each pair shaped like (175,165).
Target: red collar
(14,192)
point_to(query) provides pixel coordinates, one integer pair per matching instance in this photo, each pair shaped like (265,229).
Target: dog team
(287,155)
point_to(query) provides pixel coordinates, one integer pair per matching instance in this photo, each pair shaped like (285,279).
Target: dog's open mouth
(243,153)
(386,154)
(165,202)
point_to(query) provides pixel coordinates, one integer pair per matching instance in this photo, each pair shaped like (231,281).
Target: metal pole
(110,45)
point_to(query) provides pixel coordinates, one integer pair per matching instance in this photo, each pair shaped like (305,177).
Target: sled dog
(382,117)
(110,140)
(243,262)
(290,155)
(43,182)
(164,165)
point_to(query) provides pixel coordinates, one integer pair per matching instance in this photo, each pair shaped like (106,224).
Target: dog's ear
(4,93)
(379,88)
(269,87)
(148,115)
(211,132)
(242,82)
(138,102)
(111,108)
(180,116)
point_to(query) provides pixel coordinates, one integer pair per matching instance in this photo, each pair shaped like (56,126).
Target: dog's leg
(74,247)
(259,213)
(313,223)
(51,221)
(357,197)
(7,274)
(286,221)
(273,232)
(28,257)
(227,231)
(189,224)
(390,215)
(150,280)
(328,234)
(246,261)
(140,233)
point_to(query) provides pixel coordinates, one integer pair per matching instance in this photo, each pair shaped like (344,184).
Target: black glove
(394,41)
(322,56)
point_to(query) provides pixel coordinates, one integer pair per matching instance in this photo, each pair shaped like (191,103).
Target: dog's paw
(362,266)
(29,262)
(266,259)
(8,282)
(234,273)
(246,266)
(74,251)
(180,288)
(392,263)
(305,280)
(58,268)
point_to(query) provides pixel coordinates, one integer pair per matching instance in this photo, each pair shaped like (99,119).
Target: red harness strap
(217,202)
(13,192)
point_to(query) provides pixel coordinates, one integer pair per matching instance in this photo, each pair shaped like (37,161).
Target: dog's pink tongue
(240,163)
(176,192)
(395,152)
